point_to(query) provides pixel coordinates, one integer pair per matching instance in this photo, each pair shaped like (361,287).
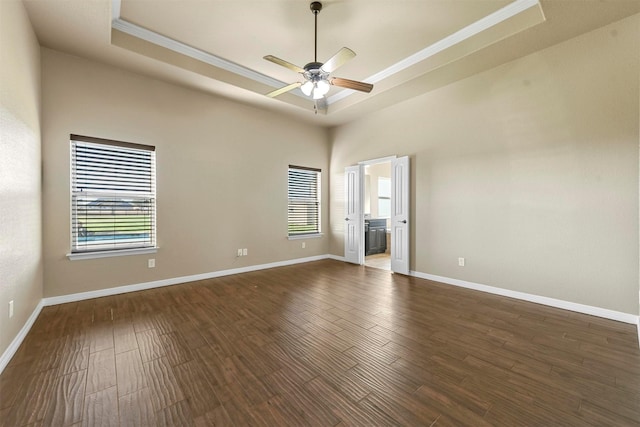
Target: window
(384,197)
(304,201)
(113,195)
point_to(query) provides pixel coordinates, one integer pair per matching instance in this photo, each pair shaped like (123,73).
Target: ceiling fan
(317,75)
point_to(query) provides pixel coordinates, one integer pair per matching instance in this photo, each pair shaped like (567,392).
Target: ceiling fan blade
(352,84)
(284,63)
(338,60)
(284,89)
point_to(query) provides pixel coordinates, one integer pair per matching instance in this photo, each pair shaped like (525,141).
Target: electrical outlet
(239,252)
(245,252)
(304,245)
(461,262)
(151,263)
(10,309)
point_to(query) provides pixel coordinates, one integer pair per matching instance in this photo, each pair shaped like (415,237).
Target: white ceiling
(404,47)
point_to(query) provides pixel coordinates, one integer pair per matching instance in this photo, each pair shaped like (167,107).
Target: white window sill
(107,254)
(305,236)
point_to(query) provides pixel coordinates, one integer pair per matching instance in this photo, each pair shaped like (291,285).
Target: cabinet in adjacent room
(375,236)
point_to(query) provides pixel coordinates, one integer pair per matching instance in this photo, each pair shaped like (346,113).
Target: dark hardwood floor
(324,343)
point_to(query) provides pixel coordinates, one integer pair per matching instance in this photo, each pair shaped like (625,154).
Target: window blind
(304,200)
(113,195)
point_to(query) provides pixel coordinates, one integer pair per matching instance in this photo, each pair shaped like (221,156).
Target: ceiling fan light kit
(316,74)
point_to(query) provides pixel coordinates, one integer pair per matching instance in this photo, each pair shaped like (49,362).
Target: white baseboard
(15,344)
(173,281)
(565,305)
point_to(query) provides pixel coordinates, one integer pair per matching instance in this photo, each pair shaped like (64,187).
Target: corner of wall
(21,266)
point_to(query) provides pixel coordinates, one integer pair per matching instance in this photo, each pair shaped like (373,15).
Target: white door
(400,215)
(353,221)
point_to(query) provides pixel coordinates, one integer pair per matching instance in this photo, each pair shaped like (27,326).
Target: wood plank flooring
(323,344)
(382,261)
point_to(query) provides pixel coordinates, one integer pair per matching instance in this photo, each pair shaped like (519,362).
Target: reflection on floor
(381,261)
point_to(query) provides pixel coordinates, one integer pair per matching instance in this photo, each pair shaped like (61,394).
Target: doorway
(377,214)
(398,222)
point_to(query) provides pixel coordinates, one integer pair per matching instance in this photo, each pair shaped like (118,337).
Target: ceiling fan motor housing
(313,72)
(312,66)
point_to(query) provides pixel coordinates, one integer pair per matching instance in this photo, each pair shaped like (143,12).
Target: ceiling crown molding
(483,24)
(192,52)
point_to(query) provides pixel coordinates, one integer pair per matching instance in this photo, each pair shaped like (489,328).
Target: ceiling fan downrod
(315,7)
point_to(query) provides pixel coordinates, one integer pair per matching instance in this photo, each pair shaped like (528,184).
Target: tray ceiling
(404,47)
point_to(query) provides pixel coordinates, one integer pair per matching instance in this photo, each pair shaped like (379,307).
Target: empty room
(294,212)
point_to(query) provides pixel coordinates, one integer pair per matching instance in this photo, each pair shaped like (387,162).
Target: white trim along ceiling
(504,22)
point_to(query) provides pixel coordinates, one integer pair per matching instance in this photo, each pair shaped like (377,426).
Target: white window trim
(74,256)
(112,253)
(319,200)
(306,236)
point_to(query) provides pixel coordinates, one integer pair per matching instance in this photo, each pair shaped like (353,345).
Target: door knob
(404,221)
(347,219)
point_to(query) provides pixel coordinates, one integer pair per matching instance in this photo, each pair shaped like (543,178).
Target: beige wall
(529,171)
(20,189)
(221,174)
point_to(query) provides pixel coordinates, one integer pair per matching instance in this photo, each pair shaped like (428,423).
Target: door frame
(361,165)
